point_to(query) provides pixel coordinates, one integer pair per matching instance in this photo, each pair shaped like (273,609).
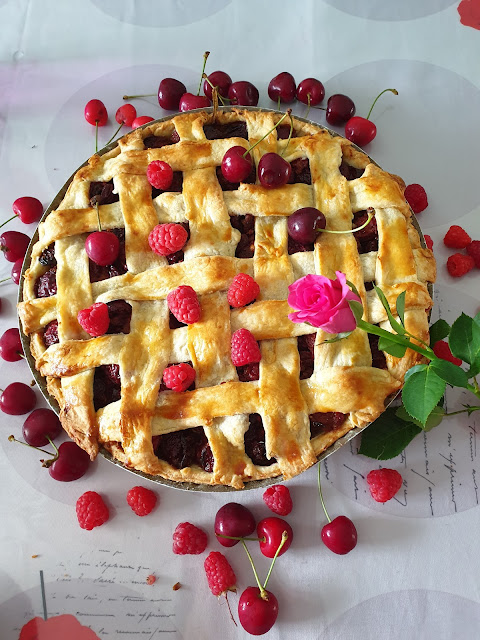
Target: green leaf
(421,393)
(412,370)
(433,420)
(464,339)
(340,336)
(438,331)
(400,304)
(393,348)
(396,326)
(450,372)
(353,287)
(357,309)
(387,437)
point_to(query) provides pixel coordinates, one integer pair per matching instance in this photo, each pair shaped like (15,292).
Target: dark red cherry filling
(178,256)
(47,257)
(173,323)
(232,186)
(246,225)
(175,187)
(369,286)
(118,268)
(367,238)
(378,357)
(255,442)
(184,448)
(300,171)
(305,345)
(325,422)
(283,131)
(46,284)
(298,247)
(120,314)
(349,172)
(230,130)
(249,372)
(163,386)
(50,333)
(157,142)
(106,385)
(102,193)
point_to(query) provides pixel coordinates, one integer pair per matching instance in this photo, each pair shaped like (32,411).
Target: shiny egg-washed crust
(343,379)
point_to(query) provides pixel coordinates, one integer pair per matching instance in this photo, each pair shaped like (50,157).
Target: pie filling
(246,225)
(321,423)
(255,442)
(184,448)
(106,385)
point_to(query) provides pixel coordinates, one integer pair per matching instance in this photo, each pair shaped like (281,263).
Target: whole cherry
(360,130)
(11,348)
(273,170)
(96,113)
(17,399)
(243,93)
(236,164)
(28,209)
(340,534)
(257,614)
(305,224)
(190,101)
(282,88)
(340,108)
(270,531)
(102,247)
(70,463)
(233,519)
(126,114)
(14,245)
(310,91)
(41,425)
(219,79)
(170,91)
(141,120)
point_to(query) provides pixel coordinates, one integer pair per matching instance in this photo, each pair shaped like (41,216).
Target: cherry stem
(289,111)
(320,492)
(96,136)
(263,593)
(4,280)
(229,610)
(278,104)
(118,129)
(140,95)
(9,220)
(282,542)
(394,91)
(308,106)
(289,135)
(44,599)
(371,213)
(221,535)
(205,56)
(13,439)
(98,217)
(220,97)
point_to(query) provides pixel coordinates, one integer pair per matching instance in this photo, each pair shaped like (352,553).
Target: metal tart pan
(41,382)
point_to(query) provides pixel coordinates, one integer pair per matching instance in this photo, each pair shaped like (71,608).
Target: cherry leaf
(450,372)
(388,436)
(439,330)
(422,392)
(396,326)
(394,349)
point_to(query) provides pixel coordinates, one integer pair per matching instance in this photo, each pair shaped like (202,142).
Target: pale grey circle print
(171,13)
(391,10)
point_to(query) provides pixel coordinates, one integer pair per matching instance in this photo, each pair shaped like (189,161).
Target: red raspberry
(220,575)
(442,350)
(141,500)
(165,239)
(91,510)
(189,539)
(416,197)
(428,242)
(160,174)
(244,348)
(473,249)
(243,290)
(95,319)
(179,377)
(384,484)
(456,238)
(278,499)
(184,304)
(459,264)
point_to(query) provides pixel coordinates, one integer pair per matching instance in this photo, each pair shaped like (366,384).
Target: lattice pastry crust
(343,380)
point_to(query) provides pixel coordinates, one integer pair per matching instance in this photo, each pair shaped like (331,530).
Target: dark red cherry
(233,519)
(71,464)
(102,247)
(169,93)
(14,245)
(340,535)
(243,93)
(256,615)
(305,224)
(340,108)
(360,130)
(313,88)
(40,424)
(236,167)
(273,170)
(283,87)
(272,529)
(11,346)
(219,79)
(17,399)
(190,101)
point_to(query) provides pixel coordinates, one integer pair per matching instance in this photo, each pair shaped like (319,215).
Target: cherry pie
(232,424)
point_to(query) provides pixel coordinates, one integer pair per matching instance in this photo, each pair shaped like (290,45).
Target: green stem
(96,136)
(13,439)
(4,280)
(263,593)
(394,91)
(205,56)
(394,337)
(320,492)
(454,413)
(282,542)
(220,97)
(370,216)
(308,106)
(107,143)
(289,111)
(475,384)
(140,95)
(278,104)
(98,217)
(221,535)
(9,220)
(289,135)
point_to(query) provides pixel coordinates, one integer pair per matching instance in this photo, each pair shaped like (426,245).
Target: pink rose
(323,303)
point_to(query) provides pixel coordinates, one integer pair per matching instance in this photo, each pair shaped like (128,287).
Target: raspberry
(244,348)
(456,238)
(165,239)
(179,377)
(141,500)
(428,242)
(160,174)
(473,249)
(189,539)
(278,499)
(384,484)
(95,319)
(91,510)
(416,197)
(220,575)
(442,350)
(459,264)
(184,304)
(242,291)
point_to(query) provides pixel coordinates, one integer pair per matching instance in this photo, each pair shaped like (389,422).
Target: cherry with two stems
(340,534)
(102,247)
(360,130)
(190,101)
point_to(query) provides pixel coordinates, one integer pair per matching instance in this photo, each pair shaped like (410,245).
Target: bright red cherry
(190,101)
(126,114)
(102,247)
(360,130)
(96,113)
(17,399)
(340,108)
(243,93)
(141,120)
(17,270)
(233,519)
(219,79)
(71,464)
(28,209)
(14,245)
(170,91)
(236,166)
(11,346)
(256,615)
(282,88)
(271,529)
(273,170)
(310,91)
(305,224)
(40,424)
(340,535)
